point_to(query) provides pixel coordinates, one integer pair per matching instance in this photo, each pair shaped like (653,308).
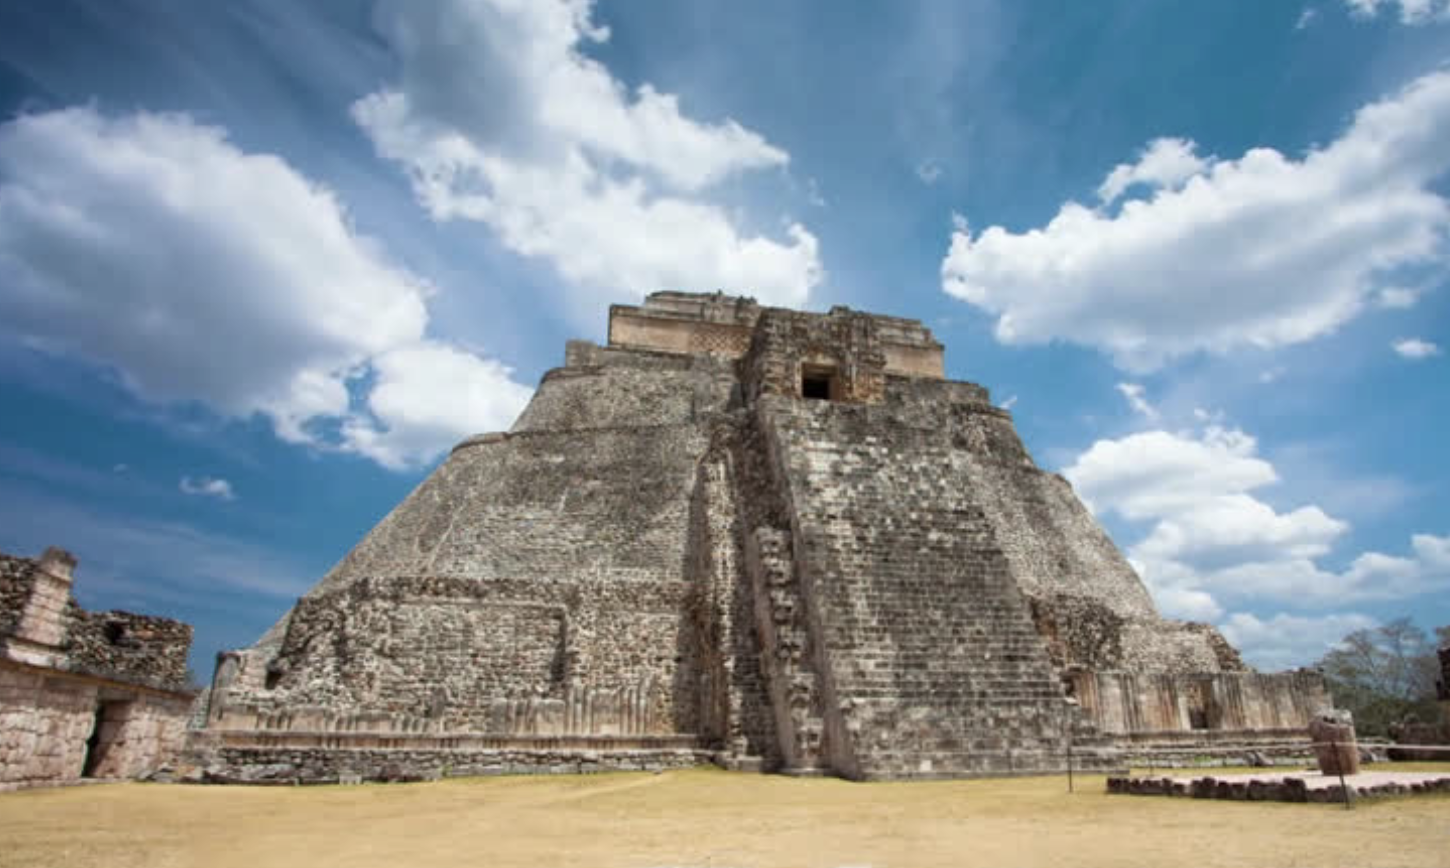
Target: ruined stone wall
(452,655)
(135,649)
(99,693)
(43,725)
(16,580)
(41,624)
(1123,703)
(140,733)
(47,720)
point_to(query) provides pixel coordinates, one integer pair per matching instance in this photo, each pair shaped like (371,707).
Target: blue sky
(262,263)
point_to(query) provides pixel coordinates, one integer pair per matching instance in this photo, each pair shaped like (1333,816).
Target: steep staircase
(931,658)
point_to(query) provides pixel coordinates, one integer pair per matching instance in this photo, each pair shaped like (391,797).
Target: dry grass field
(699,818)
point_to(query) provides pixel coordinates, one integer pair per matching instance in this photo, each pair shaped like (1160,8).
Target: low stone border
(1304,787)
(286,766)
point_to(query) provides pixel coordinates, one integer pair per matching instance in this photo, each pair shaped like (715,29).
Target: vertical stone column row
(781,624)
(720,647)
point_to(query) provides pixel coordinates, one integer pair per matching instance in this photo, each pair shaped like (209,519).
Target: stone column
(42,627)
(1332,732)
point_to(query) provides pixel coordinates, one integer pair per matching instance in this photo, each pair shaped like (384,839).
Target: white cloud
(151,244)
(1211,539)
(207,486)
(1415,348)
(1262,251)
(1286,641)
(499,118)
(1306,17)
(424,395)
(1411,11)
(1009,403)
(1133,392)
(1164,164)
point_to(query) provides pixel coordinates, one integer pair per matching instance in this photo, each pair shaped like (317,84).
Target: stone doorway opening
(820,383)
(106,725)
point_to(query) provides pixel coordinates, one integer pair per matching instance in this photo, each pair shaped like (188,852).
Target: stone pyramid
(773,539)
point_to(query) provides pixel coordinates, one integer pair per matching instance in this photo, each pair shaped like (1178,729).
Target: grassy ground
(698,818)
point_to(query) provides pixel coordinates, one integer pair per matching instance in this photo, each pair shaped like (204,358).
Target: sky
(262,263)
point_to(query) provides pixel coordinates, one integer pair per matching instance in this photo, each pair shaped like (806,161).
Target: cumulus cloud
(1284,641)
(427,393)
(1415,348)
(499,118)
(1164,164)
(1211,540)
(1265,250)
(1410,11)
(207,486)
(151,244)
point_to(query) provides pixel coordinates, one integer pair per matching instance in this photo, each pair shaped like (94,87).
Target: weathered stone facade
(780,539)
(93,694)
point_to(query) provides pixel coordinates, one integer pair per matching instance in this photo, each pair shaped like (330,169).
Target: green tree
(1385,675)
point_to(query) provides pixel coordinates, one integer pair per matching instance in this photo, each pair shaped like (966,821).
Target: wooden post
(1343,787)
(1069,758)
